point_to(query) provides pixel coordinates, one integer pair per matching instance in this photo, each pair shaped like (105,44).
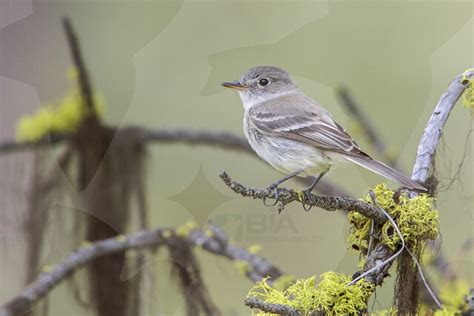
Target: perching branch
(214,242)
(286,196)
(424,159)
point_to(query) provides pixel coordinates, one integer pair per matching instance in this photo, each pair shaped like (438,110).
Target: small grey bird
(295,134)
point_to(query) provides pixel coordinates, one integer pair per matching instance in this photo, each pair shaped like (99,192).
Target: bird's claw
(276,190)
(307,198)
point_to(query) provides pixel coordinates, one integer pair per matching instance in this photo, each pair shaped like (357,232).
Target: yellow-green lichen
(47,268)
(86,244)
(415,217)
(447,311)
(283,282)
(209,233)
(120,238)
(242,266)
(254,249)
(332,294)
(167,233)
(452,293)
(468,95)
(185,229)
(62,117)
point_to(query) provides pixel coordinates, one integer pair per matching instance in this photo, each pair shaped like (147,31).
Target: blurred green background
(160,63)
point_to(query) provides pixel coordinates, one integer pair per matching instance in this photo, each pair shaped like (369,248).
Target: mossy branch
(287,196)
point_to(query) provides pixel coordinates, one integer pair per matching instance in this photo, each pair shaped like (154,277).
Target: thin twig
(84,81)
(39,288)
(286,196)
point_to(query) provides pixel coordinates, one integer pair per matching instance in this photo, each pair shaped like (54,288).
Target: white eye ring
(264,82)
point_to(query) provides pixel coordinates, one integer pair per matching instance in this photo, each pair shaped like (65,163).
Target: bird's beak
(235,85)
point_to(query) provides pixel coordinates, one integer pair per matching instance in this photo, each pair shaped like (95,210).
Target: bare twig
(286,196)
(84,81)
(214,243)
(279,309)
(11,146)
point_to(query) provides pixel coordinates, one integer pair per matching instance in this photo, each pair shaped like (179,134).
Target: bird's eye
(263,82)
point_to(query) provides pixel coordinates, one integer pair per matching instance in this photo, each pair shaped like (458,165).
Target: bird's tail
(385,171)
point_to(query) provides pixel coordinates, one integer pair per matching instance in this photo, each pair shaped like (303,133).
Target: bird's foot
(307,198)
(276,191)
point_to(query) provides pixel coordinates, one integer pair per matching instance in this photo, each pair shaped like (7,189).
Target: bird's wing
(299,118)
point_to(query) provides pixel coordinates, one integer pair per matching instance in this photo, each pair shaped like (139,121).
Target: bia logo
(243,226)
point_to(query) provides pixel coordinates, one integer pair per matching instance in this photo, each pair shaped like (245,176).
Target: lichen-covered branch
(423,163)
(279,309)
(286,196)
(213,241)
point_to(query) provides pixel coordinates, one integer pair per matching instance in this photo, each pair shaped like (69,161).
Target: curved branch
(424,159)
(216,243)
(286,196)
(434,129)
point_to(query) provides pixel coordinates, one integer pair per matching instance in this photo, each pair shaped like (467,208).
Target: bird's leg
(307,191)
(274,186)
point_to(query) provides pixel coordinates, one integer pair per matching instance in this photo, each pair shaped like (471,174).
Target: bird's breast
(285,155)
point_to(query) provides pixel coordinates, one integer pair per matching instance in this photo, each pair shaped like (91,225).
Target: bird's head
(262,83)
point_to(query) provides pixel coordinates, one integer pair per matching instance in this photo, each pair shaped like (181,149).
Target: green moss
(332,295)
(416,219)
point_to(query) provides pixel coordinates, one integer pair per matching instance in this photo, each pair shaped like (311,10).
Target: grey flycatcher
(295,134)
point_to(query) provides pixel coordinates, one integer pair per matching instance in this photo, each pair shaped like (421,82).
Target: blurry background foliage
(159,64)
